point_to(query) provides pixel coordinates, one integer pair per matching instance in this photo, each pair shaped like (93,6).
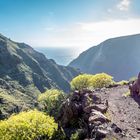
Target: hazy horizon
(61,55)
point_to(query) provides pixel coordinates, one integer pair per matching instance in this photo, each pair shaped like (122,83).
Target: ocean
(62,56)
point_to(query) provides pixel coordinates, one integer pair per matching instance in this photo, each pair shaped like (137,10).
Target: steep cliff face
(118,57)
(24,72)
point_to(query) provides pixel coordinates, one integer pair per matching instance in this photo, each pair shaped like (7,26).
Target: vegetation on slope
(91,81)
(67,111)
(26,73)
(28,126)
(51,101)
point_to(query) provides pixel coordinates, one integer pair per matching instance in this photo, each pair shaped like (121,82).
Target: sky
(68,23)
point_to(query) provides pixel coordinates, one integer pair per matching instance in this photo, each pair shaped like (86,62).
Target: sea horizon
(61,55)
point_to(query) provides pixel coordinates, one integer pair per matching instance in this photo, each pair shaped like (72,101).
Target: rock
(135,87)
(76,92)
(69,110)
(86,108)
(66,113)
(138,130)
(99,107)
(101,133)
(103,89)
(85,100)
(96,98)
(97,123)
(98,116)
(75,97)
(116,129)
(85,90)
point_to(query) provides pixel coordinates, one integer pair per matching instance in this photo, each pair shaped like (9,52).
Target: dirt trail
(125,112)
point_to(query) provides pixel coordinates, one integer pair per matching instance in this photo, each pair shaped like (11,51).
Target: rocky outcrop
(86,110)
(135,87)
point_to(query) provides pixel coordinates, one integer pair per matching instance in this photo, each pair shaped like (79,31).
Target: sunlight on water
(62,56)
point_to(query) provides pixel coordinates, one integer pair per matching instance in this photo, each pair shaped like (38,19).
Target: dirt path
(125,112)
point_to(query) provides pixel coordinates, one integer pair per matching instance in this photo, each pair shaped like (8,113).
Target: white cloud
(87,34)
(123,5)
(99,31)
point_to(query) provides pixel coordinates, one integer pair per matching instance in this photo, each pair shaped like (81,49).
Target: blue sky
(68,23)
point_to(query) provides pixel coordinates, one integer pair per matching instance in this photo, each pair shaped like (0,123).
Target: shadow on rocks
(137,99)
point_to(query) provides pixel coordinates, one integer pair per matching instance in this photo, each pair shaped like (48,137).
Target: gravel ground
(124,111)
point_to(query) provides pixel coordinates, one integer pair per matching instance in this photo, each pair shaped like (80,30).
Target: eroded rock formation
(87,111)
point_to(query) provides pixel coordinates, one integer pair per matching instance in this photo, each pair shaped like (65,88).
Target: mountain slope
(118,57)
(25,73)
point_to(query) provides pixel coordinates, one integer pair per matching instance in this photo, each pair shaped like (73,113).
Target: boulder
(98,116)
(135,87)
(115,128)
(101,133)
(99,107)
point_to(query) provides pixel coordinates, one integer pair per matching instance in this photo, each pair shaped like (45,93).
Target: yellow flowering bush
(91,81)
(101,80)
(52,100)
(29,125)
(80,82)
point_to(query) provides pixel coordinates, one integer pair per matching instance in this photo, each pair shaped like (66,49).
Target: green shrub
(123,82)
(29,125)
(80,82)
(91,81)
(52,100)
(75,136)
(101,80)
(132,79)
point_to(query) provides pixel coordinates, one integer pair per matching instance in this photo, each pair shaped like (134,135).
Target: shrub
(101,80)
(132,79)
(123,82)
(75,136)
(79,134)
(80,82)
(28,126)
(52,100)
(91,81)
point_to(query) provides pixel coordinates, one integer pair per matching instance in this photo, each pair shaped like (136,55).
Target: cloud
(96,32)
(124,5)
(86,34)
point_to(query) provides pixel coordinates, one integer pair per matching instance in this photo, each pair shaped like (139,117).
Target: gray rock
(98,116)
(99,107)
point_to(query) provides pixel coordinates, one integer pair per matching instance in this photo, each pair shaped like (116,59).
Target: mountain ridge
(25,73)
(104,57)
